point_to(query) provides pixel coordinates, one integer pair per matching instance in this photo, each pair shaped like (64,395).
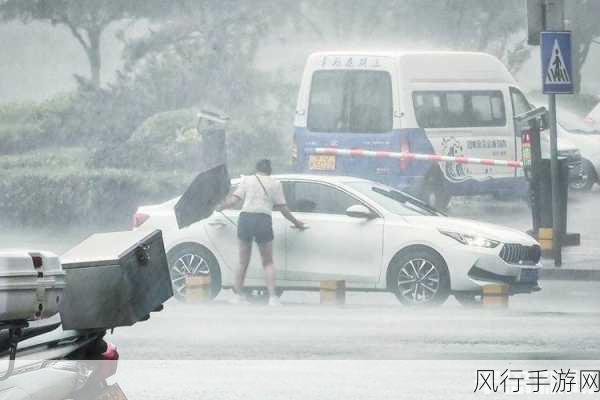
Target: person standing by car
(260,195)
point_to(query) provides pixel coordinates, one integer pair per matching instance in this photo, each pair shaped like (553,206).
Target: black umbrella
(212,184)
(200,199)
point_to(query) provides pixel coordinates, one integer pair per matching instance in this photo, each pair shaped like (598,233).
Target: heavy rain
(299,198)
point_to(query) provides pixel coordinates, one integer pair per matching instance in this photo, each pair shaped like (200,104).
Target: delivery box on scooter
(114,279)
(31,285)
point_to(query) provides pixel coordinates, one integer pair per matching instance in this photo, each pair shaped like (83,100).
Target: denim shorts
(255,226)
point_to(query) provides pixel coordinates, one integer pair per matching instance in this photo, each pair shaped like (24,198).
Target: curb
(565,274)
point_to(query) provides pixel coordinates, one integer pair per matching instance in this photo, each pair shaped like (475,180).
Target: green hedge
(28,126)
(35,197)
(48,158)
(166,141)
(169,141)
(17,112)
(21,137)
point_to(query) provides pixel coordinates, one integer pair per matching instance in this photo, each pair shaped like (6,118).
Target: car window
(459,109)
(317,198)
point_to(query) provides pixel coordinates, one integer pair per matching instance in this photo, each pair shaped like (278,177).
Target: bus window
(459,109)
(428,108)
(456,106)
(350,101)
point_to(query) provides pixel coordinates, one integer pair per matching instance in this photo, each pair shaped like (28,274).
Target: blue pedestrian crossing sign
(557,71)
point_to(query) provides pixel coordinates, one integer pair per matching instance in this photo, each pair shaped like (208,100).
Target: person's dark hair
(264,166)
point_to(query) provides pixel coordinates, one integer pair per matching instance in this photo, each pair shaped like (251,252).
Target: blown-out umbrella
(200,199)
(212,184)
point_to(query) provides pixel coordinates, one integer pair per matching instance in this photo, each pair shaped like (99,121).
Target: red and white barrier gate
(414,156)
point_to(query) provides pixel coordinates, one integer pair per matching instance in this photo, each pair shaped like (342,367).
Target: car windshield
(393,200)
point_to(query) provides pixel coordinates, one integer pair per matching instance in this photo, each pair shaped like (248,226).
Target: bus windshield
(350,101)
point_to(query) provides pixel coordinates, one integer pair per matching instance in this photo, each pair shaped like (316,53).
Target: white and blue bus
(448,103)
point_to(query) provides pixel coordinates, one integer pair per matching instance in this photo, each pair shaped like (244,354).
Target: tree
(582,17)
(211,46)
(86,20)
(474,25)
(213,26)
(199,55)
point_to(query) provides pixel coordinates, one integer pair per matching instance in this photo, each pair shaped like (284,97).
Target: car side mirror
(544,122)
(359,211)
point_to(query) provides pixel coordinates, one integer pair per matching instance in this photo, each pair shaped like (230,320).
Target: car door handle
(305,227)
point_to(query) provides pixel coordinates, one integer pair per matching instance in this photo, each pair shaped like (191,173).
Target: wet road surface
(561,322)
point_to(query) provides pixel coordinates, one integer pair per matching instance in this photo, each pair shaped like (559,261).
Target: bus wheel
(434,192)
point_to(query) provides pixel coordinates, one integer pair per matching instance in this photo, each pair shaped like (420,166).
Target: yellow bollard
(333,292)
(197,288)
(545,239)
(495,295)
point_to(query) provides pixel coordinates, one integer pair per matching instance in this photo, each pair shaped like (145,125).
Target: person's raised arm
(229,202)
(234,198)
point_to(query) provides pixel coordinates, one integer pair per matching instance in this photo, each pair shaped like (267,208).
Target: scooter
(53,364)
(53,323)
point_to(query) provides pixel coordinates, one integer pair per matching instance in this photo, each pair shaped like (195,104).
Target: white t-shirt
(255,198)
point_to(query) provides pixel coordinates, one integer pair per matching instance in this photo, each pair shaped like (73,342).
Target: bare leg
(266,254)
(245,249)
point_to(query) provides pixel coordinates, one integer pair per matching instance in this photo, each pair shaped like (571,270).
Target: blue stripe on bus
(390,171)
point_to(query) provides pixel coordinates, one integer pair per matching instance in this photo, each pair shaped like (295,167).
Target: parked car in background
(585,134)
(566,147)
(368,234)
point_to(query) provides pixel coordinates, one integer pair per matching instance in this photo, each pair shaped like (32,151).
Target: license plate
(529,275)
(112,392)
(321,163)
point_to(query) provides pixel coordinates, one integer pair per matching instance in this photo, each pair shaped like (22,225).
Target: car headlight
(471,240)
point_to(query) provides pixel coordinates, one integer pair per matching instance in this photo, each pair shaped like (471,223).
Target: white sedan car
(371,236)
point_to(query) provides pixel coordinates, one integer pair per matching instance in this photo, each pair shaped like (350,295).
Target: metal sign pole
(554,171)
(554,20)
(546,21)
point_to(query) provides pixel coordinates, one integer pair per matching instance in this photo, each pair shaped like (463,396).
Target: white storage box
(31,284)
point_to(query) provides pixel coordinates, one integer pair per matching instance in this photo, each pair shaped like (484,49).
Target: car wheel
(193,260)
(586,179)
(468,299)
(420,276)
(434,192)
